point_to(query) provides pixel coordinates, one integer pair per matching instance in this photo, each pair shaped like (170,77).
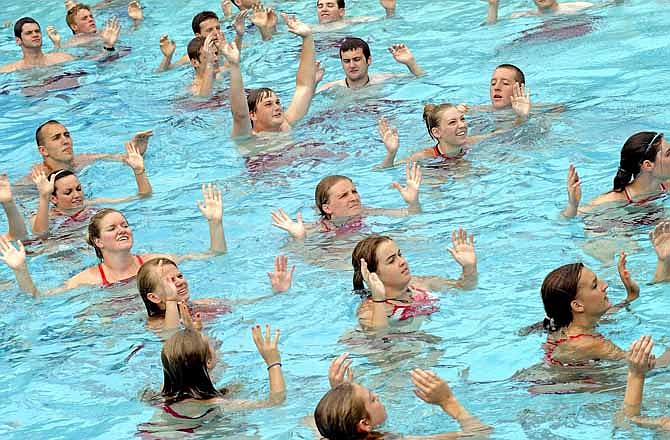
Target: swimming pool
(70,363)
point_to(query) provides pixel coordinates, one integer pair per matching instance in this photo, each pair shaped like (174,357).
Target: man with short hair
(333,11)
(81,22)
(356,58)
(28,37)
(547,7)
(204,57)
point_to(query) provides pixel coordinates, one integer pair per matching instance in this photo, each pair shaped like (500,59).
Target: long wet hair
(321,195)
(432,113)
(148,279)
(638,148)
(185,375)
(558,290)
(338,413)
(94,229)
(366,249)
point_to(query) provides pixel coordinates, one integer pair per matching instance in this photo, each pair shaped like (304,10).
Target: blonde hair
(321,195)
(148,278)
(433,113)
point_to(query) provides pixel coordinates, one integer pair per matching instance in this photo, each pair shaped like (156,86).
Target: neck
(53,165)
(118,261)
(357,83)
(258,128)
(645,183)
(448,150)
(69,211)
(33,56)
(396,292)
(582,324)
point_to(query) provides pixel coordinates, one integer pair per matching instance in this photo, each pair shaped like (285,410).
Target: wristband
(141,172)
(378,301)
(109,49)
(274,364)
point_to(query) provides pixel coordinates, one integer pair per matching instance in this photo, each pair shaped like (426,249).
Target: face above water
(84,23)
(69,194)
(343,200)
(502,88)
(592,293)
(328,11)
(392,268)
(56,143)
(115,233)
(354,64)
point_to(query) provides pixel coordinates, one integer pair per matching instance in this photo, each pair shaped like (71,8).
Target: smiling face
(502,87)
(392,268)
(452,128)
(115,234)
(31,36)
(591,297)
(69,194)
(328,11)
(354,64)
(56,143)
(343,200)
(268,114)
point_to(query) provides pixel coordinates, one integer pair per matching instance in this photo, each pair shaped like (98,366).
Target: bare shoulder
(11,67)
(88,276)
(330,85)
(58,57)
(524,14)
(572,7)
(421,154)
(609,197)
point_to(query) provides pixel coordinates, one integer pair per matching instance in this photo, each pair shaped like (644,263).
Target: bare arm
(17,227)
(403,55)
(304,83)
(660,238)
(372,313)
(640,361)
(267,347)
(492,17)
(463,251)
(238,100)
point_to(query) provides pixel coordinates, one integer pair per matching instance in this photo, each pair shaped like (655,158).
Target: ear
(647,165)
(252,116)
(369,60)
(151,296)
(435,132)
(43,150)
(326,208)
(363,426)
(53,199)
(340,12)
(195,63)
(98,243)
(18,41)
(577,306)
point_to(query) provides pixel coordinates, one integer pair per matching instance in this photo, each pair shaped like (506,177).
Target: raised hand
(69,4)
(296,26)
(281,279)
(521,100)
(167,46)
(463,249)
(186,319)
(227,8)
(210,47)
(389,5)
(266,346)
(135,10)
(389,135)
(632,289)
(463,108)
(660,238)
(374,283)
(231,53)
(54,36)
(281,220)
(574,188)
(44,186)
(319,71)
(212,207)
(402,54)
(340,371)
(140,140)
(134,159)
(430,387)
(410,193)
(111,32)
(640,358)
(5,189)
(239,22)
(263,17)
(13,257)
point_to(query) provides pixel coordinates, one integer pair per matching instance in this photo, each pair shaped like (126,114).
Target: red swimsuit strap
(102,275)
(436,152)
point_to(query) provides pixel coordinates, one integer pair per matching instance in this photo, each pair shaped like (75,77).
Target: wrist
(109,47)
(470,269)
(139,172)
(274,365)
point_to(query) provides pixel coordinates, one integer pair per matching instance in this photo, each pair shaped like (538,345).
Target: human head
(109,230)
(265,109)
(187,357)
(80,19)
(67,193)
(349,411)
(502,84)
(149,280)
(54,141)
(355,58)
(195,53)
(204,23)
(645,150)
(329,11)
(28,33)
(546,4)
(336,196)
(384,258)
(445,123)
(244,4)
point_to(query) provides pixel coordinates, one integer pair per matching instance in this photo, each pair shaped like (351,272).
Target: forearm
(379,318)
(206,82)
(467,422)
(492,17)
(277,385)
(662,271)
(217,237)
(570,211)
(389,160)
(266,32)
(143,185)
(171,315)
(238,103)
(166,64)
(17,227)
(306,69)
(633,397)
(390,12)
(415,68)
(469,277)
(25,281)
(40,224)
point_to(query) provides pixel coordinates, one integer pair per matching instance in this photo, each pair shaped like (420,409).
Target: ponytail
(639,147)
(432,114)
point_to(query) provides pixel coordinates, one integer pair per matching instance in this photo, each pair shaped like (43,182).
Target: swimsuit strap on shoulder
(102,276)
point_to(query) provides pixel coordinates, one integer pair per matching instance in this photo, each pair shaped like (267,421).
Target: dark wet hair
(193,48)
(94,229)
(353,43)
(321,192)
(18,27)
(367,250)
(340,4)
(38,133)
(558,291)
(518,73)
(199,18)
(638,148)
(338,413)
(59,175)
(147,281)
(255,96)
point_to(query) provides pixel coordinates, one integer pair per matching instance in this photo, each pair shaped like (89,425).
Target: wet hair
(321,195)
(340,4)
(72,14)
(634,152)
(367,250)
(59,175)
(255,96)
(94,229)
(194,47)
(353,43)
(185,376)
(148,279)
(338,413)
(558,291)
(199,18)
(39,140)
(518,73)
(433,113)
(18,27)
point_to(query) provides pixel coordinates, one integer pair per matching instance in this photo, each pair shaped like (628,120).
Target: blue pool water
(70,364)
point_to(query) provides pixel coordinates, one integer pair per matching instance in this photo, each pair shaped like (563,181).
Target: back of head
(518,73)
(39,139)
(321,196)
(199,18)
(433,113)
(353,43)
(338,413)
(94,229)
(366,249)
(71,16)
(148,279)
(637,148)
(194,47)
(18,26)
(558,290)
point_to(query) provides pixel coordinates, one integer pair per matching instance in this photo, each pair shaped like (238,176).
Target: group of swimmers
(574,298)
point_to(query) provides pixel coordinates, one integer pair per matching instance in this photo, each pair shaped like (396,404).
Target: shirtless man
(331,14)
(355,57)
(29,38)
(204,56)
(546,7)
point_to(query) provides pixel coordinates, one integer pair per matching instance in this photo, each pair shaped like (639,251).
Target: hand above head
(660,238)
(431,388)
(44,186)
(463,249)
(239,23)
(134,159)
(210,46)
(389,5)
(135,10)
(402,54)
(340,371)
(281,220)
(463,108)
(212,207)
(266,346)
(263,17)
(69,4)
(231,53)
(111,32)
(296,26)
(632,289)
(319,71)
(640,358)
(54,36)
(167,46)
(375,285)
(389,136)
(227,8)
(410,193)
(521,100)
(140,140)
(13,257)
(6,195)
(574,188)
(281,278)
